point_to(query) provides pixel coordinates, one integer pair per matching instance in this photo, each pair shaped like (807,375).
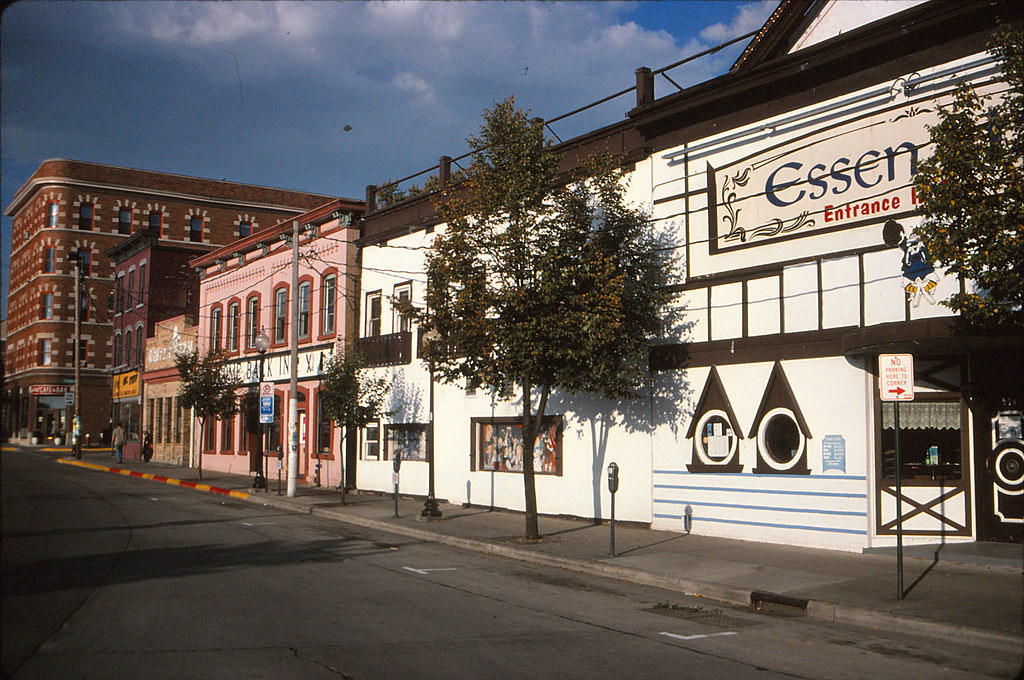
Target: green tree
(349,397)
(209,386)
(972,193)
(537,285)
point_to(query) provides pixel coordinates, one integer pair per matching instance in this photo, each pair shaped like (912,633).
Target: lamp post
(430,509)
(262,343)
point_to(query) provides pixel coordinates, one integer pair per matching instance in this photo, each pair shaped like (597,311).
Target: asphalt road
(108,577)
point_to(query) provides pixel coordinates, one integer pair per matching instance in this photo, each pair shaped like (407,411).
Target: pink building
(245,292)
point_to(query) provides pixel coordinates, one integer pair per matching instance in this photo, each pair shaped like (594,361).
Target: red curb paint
(191,485)
(161,478)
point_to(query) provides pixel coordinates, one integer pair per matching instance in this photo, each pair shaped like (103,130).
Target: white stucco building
(786,188)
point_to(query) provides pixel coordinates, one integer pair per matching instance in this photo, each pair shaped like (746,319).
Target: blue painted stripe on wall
(845,513)
(851,478)
(823,494)
(772,525)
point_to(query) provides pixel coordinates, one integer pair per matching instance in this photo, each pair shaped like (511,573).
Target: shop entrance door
(999,462)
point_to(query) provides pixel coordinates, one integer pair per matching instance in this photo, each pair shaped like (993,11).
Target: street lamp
(430,509)
(262,343)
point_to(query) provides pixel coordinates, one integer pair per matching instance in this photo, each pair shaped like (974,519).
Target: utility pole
(293,383)
(76,421)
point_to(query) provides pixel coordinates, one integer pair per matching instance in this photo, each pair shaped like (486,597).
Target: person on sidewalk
(117,441)
(147,447)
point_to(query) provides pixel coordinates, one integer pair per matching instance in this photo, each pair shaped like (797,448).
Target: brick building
(162,416)
(85,208)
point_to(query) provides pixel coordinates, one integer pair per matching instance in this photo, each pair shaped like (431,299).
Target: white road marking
(424,572)
(697,637)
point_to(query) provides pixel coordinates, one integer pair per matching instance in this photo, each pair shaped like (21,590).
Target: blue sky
(321,96)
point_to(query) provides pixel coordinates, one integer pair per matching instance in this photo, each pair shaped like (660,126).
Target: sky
(322,96)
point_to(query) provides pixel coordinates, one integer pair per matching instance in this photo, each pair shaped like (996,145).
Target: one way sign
(896,377)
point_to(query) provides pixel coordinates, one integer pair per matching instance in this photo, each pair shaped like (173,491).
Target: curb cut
(156,478)
(820,610)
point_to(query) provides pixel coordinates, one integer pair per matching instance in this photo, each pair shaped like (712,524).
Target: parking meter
(613,486)
(396,462)
(613,477)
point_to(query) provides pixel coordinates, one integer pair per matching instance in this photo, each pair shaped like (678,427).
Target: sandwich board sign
(896,377)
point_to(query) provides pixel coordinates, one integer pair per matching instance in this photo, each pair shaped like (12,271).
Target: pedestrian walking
(117,439)
(147,447)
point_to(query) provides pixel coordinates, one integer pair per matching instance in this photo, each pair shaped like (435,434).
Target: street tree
(349,397)
(972,193)
(540,282)
(209,386)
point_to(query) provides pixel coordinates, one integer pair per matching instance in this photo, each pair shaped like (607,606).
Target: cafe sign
(835,177)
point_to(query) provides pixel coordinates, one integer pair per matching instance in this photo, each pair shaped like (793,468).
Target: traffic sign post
(896,384)
(266,402)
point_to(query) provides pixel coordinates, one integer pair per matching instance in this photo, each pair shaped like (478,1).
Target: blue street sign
(267,409)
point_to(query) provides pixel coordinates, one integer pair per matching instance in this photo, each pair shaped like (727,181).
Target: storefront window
(930,439)
(409,440)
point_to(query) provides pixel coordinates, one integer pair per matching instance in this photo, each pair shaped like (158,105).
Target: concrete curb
(820,610)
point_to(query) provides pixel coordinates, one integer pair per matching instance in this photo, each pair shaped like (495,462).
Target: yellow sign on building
(126,385)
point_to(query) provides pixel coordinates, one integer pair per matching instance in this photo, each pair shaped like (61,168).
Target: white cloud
(750,18)
(409,82)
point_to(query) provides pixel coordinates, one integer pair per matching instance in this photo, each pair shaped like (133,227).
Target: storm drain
(709,617)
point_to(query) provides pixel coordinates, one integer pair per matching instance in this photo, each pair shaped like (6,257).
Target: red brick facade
(68,206)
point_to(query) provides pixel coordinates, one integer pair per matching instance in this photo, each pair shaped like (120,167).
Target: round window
(714,438)
(779,439)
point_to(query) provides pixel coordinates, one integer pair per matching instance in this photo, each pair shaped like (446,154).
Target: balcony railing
(394,349)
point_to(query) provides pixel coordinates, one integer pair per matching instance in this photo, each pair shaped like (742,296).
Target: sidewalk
(970,592)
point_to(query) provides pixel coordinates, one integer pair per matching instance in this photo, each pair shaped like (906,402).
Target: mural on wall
(499,445)
(919,276)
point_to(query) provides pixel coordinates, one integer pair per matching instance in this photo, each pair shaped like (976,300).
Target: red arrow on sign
(898,391)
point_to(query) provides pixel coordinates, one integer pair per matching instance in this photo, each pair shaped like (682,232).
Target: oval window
(780,440)
(714,438)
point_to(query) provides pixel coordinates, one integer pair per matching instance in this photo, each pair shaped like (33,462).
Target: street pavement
(971,592)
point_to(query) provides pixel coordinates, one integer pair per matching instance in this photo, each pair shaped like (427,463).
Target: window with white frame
(47,306)
(45,352)
(305,293)
(328,303)
(403,295)
(233,324)
(373,314)
(280,314)
(371,441)
(252,321)
(215,328)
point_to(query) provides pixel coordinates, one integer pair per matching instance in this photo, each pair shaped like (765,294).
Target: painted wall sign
(833,453)
(126,385)
(836,177)
(278,366)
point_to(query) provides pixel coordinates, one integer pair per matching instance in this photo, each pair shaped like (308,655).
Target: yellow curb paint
(147,475)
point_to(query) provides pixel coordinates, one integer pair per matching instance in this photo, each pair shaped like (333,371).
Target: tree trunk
(199,448)
(531,427)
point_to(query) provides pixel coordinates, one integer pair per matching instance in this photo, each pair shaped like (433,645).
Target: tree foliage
(347,396)
(209,386)
(536,284)
(972,193)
